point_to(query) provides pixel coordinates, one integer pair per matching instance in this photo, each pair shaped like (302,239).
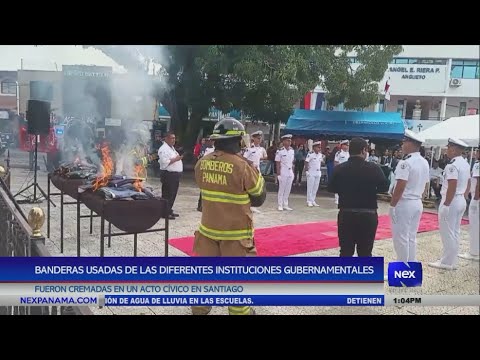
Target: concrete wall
(8,101)
(55,77)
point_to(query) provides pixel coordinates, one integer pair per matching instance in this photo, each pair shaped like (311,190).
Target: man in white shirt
(210,147)
(340,157)
(171,168)
(406,207)
(255,153)
(284,160)
(313,170)
(473,226)
(436,178)
(453,205)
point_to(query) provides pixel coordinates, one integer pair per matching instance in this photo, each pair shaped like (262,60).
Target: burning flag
(138,180)
(107,169)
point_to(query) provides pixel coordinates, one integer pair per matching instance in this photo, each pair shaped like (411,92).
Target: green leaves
(265,81)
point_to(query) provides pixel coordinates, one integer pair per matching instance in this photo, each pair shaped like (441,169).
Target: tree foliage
(264,81)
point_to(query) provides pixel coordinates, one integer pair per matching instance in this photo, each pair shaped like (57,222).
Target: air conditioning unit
(455,82)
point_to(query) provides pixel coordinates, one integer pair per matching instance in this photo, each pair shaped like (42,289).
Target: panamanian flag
(312,101)
(387,89)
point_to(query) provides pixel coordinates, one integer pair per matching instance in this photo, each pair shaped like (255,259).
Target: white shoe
(438,265)
(280,208)
(468,256)
(309,204)
(255,210)
(315,204)
(287,208)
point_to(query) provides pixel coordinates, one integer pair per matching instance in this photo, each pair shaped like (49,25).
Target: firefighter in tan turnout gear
(229,186)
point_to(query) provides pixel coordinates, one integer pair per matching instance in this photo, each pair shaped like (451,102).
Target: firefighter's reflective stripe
(144,161)
(219,196)
(225,234)
(257,189)
(239,310)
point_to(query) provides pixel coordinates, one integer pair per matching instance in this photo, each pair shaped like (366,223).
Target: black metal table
(67,187)
(132,217)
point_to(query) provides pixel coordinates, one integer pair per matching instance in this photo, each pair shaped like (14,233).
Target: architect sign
(86,71)
(413,79)
(414,73)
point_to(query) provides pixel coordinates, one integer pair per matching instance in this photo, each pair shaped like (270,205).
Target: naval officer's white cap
(457,142)
(409,134)
(288,136)
(317,143)
(257,133)
(344,142)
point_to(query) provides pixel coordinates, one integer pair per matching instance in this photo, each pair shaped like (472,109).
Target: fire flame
(107,169)
(138,182)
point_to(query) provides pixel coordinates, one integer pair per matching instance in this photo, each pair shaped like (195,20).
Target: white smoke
(133,98)
(79,136)
(133,103)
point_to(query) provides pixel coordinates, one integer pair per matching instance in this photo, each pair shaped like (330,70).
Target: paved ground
(463,281)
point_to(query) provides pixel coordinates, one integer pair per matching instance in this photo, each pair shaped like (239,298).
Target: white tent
(465,128)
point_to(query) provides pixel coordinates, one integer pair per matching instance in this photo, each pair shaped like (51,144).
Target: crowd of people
(229,174)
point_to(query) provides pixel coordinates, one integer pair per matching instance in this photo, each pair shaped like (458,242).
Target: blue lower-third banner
(258,300)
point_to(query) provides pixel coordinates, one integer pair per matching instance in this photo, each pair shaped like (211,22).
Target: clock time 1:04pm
(405,300)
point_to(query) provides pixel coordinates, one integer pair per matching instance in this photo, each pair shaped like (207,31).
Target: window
(9,87)
(400,107)
(457,71)
(419,61)
(381,105)
(465,69)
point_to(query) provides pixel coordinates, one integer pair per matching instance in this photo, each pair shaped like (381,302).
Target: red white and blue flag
(312,101)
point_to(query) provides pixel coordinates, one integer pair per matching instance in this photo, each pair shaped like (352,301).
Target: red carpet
(303,238)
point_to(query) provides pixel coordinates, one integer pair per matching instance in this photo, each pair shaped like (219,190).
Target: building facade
(426,83)
(8,90)
(52,79)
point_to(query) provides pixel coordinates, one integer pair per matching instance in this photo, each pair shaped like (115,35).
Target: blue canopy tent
(346,124)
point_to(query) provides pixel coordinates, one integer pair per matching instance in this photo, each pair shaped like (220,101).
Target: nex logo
(405,274)
(402,274)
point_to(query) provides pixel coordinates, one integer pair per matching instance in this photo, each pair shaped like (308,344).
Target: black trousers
(298,170)
(170,183)
(357,229)
(199,206)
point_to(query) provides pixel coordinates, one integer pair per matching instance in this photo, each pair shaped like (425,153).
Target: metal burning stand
(74,194)
(98,205)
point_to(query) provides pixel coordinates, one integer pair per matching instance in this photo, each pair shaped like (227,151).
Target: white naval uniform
(255,154)
(457,169)
(285,180)
(341,157)
(209,150)
(408,211)
(314,161)
(473,227)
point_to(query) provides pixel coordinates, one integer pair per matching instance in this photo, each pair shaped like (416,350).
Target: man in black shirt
(357,182)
